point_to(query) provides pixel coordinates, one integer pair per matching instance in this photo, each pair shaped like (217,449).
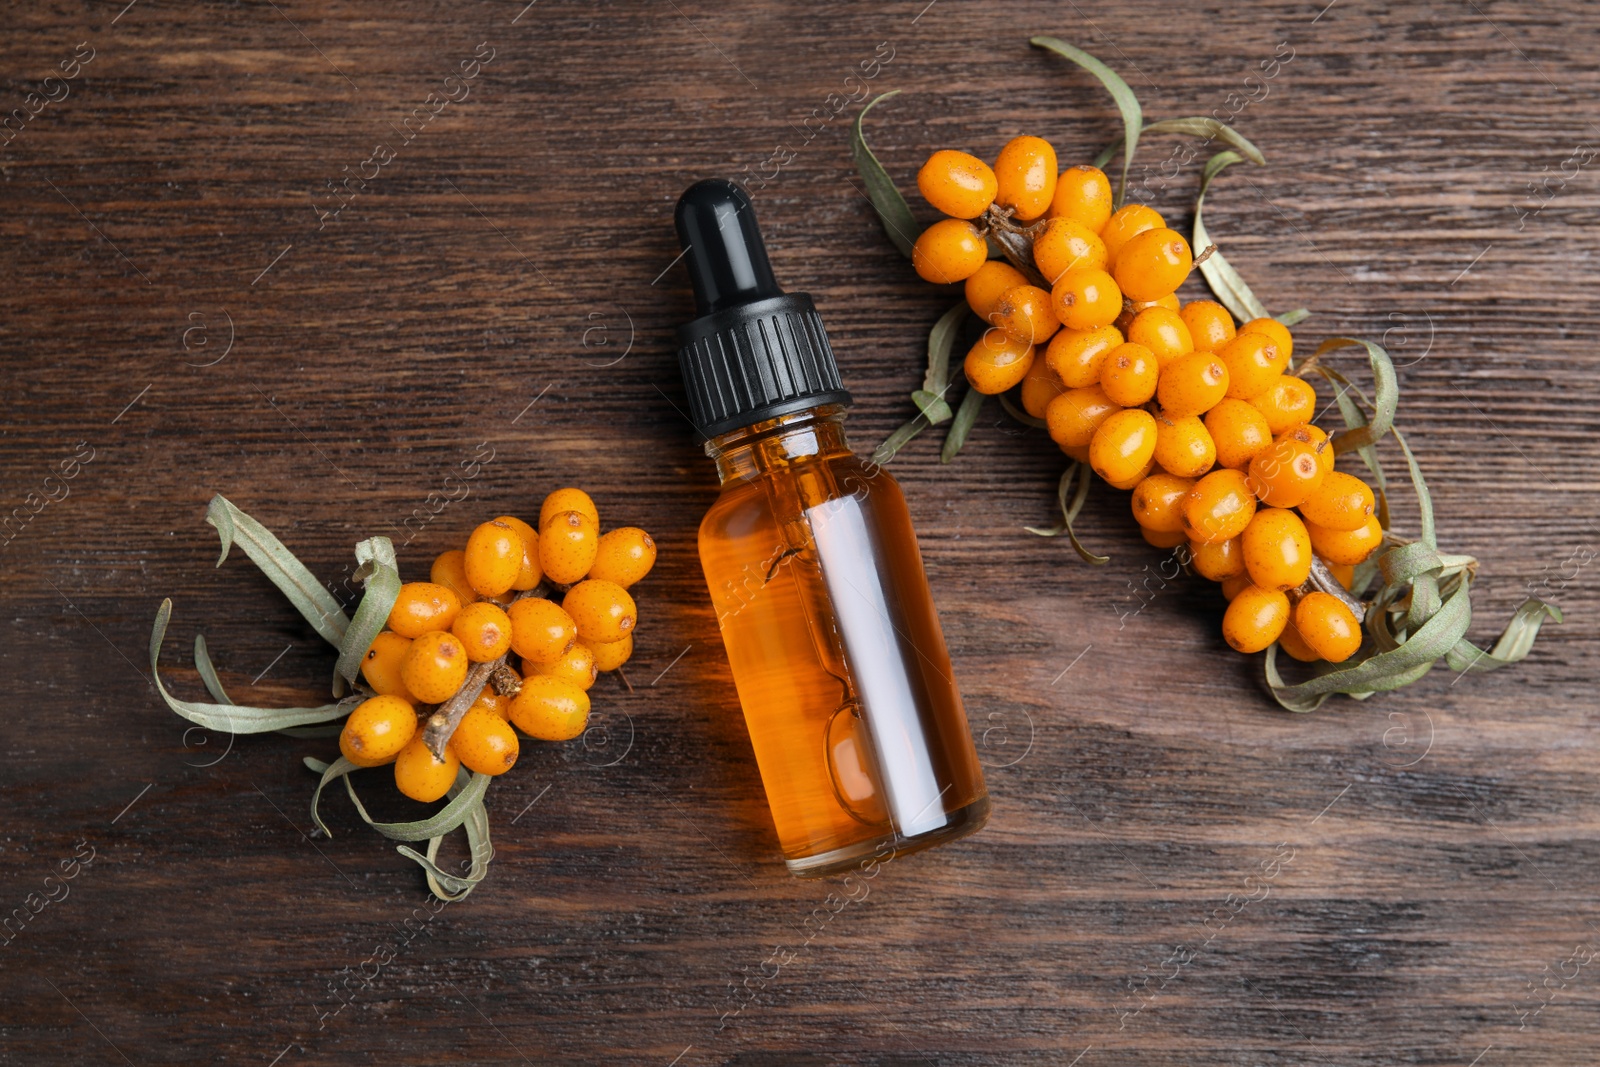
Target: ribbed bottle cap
(755,352)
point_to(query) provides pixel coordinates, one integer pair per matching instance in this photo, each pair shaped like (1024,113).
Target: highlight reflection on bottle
(815,574)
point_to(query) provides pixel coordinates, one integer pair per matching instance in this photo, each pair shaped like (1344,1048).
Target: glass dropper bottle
(814,571)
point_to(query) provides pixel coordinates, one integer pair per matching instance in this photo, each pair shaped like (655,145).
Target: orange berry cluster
(1200,418)
(478,605)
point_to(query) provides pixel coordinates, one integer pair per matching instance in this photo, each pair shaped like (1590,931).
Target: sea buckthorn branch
(1209,423)
(441,647)
(446,717)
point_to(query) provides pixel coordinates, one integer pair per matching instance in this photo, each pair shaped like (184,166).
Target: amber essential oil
(818,585)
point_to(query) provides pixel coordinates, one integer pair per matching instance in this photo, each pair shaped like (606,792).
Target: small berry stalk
(1196,408)
(435,694)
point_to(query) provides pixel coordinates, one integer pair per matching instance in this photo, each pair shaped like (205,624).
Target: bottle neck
(773,444)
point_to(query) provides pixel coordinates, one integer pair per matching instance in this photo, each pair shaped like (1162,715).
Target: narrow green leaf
(1386,394)
(235,718)
(1069,511)
(1020,415)
(941,343)
(892,209)
(1394,668)
(902,436)
(1295,317)
(1198,126)
(1127,102)
(379,572)
(966,417)
(208,674)
(934,407)
(315,603)
(329,771)
(1230,288)
(441,822)
(444,884)
(1515,642)
(469,790)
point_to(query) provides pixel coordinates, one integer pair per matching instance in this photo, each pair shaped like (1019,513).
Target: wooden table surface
(183,311)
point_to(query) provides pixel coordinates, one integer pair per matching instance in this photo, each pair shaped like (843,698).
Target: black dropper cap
(755,352)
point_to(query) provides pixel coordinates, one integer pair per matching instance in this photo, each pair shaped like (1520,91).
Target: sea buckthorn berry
(575,666)
(1341,502)
(624,555)
(377,730)
(1287,402)
(435,667)
(485,742)
(1129,375)
(1086,299)
(1158,503)
(1121,448)
(1083,194)
(1277,549)
(541,630)
(1219,560)
(494,558)
(1134,477)
(1040,386)
(563,500)
(1327,626)
(1076,355)
(550,709)
(1277,331)
(1127,223)
(1152,264)
(949,251)
(1025,314)
(997,362)
(423,607)
(603,611)
(1232,587)
(529,574)
(1285,473)
(609,655)
(1317,438)
(381,665)
(491,701)
(1192,384)
(421,777)
(1254,362)
(1162,538)
(1348,547)
(1219,507)
(984,287)
(1162,331)
(1295,645)
(484,630)
(1343,573)
(1240,431)
(1183,446)
(450,570)
(1255,618)
(568,547)
(1074,416)
(957,184)
(1025,174)
(1067,244)
(1209,324)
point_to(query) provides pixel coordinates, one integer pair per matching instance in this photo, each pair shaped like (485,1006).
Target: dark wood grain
(1438,848)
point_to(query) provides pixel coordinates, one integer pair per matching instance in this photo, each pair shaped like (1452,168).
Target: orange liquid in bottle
(836,649)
